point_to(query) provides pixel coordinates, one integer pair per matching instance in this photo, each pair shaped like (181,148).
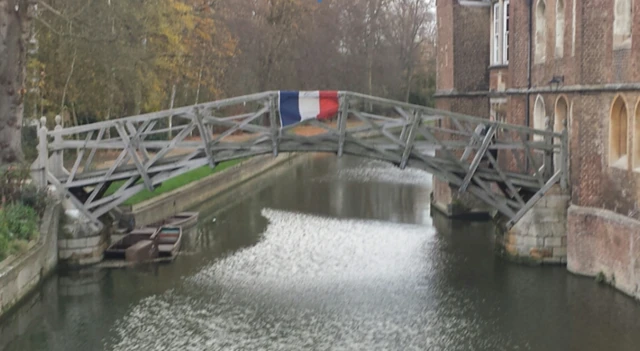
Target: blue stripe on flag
(289,108)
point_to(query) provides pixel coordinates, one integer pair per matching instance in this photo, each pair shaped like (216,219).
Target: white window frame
(496,34)
(505,31)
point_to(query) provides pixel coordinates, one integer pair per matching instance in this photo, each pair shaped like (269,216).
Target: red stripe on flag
(329,104)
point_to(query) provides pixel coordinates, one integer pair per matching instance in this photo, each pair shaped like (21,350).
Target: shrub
(5,245)
(18,225)
(20,221)
(35,198)
(15,188)
(21,206)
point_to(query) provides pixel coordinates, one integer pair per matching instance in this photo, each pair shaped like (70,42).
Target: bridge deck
(468,152)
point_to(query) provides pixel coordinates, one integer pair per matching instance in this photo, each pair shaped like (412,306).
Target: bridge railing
(103,164)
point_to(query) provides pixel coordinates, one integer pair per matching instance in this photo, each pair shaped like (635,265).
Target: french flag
(297,106)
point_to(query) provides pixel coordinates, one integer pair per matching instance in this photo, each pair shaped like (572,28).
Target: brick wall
(471,48)
(519,44)
(498,78)
(444,56)
(603,243)
(595,183)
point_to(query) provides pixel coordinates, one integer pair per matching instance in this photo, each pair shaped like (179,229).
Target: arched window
(539,116)
(559,120)
(622,23)
(618,134)
(541,32)
(559,28)
(636,139)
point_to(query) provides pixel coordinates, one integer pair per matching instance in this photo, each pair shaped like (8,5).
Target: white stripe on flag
(309,104)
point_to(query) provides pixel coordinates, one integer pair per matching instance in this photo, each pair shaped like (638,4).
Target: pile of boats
(157,242)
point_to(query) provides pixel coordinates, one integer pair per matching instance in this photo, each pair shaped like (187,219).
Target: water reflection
(326,254)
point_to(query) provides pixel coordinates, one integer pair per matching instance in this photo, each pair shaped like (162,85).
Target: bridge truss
(99,166)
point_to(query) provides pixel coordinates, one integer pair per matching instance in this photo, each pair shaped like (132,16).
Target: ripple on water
(382,172)
(312,283)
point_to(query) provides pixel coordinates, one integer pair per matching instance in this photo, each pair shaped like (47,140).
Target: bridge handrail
(270,94)
(455,149)
(164,113)
(435,112)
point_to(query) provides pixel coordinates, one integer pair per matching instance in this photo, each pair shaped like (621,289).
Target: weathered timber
(400,133)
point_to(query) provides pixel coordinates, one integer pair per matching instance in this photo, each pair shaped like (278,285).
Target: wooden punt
(169,239)
(119,249)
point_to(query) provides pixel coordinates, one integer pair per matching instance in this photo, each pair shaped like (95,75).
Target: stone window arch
(559,28)
(539,117)
(561,113)
(541,32)
(636,138)
(618,133)
(622,21)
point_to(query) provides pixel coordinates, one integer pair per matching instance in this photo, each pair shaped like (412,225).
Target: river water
(327,254)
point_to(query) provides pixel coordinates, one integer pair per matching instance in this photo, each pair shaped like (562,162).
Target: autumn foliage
(98,60)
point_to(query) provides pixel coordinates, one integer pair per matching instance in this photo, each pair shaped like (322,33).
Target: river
(327,254)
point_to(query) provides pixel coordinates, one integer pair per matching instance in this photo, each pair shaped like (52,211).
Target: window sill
(625,45)
(499,65)
(621,163)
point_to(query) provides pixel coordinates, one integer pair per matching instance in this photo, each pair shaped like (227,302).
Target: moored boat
(183,220)
(118,250)
(169,239)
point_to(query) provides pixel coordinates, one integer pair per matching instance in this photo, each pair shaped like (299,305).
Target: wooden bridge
(99,166)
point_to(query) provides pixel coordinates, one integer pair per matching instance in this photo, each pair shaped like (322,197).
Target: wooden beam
(93,150)
(74,170)
(475,138)
(275,128)
(204,135)
(476,160)
(134,156)
(564,158)
(534,199)
(415,124)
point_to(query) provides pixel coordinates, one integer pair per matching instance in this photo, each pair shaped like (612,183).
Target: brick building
(574,62)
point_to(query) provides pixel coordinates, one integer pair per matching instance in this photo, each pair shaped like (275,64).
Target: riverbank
(21,273)
(173,183)
(173,202)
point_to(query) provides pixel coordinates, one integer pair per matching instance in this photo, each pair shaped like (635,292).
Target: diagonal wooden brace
(476,160)
(342,123)
(275,129)
(134,156)
(417,119)
(474,140)
(205,136)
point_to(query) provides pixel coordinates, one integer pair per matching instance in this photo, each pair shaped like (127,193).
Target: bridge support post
(446,198)
(540,236)
(40,167)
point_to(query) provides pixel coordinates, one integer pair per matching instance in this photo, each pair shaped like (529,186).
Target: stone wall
(21,273)
(541,235)
(174,202)
(605,244)
(82,251)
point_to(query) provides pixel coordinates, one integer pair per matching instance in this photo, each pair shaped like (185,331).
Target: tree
(14,30)
(98,60)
